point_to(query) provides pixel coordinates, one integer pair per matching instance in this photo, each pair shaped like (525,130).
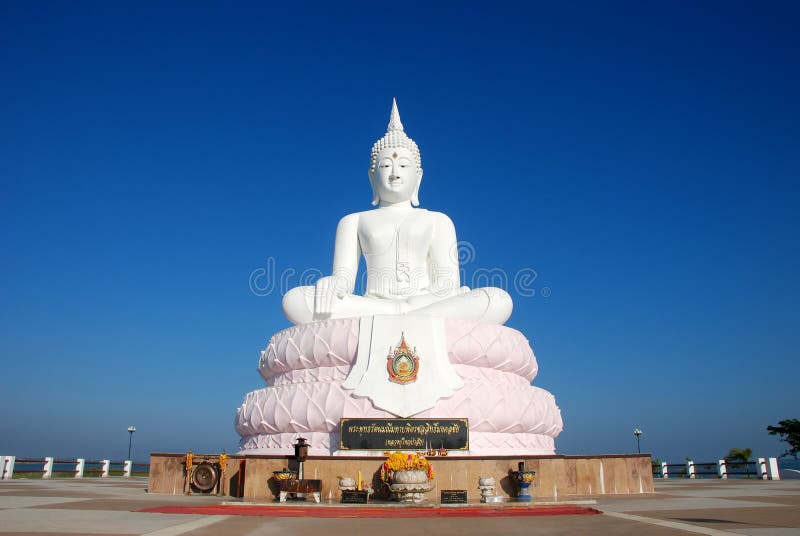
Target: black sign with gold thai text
(404,434)
(354,497)
(454,496)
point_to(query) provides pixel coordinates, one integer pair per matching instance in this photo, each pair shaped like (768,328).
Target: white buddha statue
(333,364)
(411,253)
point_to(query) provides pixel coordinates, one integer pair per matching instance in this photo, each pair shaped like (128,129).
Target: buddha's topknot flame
(395,137)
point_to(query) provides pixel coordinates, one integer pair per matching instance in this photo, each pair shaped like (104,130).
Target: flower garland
(222,459)
(403,461)
(189,460)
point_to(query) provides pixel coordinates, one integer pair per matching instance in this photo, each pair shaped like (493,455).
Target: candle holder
(487,484)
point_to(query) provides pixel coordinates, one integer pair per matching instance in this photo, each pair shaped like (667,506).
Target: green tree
(738,458)
(656,465)
(789,431)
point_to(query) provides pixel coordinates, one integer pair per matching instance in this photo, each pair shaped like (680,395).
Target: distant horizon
(787,461)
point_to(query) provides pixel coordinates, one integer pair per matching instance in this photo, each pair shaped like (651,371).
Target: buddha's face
(396,178)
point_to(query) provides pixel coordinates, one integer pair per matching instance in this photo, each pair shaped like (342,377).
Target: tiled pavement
(108,506)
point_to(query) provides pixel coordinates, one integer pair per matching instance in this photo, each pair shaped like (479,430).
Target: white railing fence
(763,468)
(77,468)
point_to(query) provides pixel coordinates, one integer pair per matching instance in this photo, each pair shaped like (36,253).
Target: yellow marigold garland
(189,459)
(222,459)
(403,461)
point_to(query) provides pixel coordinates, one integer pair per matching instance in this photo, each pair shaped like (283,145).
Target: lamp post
(637,433)
(131,430)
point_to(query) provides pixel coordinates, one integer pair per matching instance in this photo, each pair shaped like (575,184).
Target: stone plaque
(454,496)
(354,497)
(404,434)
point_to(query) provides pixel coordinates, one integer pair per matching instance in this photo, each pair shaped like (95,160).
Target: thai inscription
(454,496)
(410,434)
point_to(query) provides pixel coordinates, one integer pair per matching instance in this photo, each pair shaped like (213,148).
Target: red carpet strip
(375,512)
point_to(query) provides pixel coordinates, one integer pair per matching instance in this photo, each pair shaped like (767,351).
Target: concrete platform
(109,506)
(250,476)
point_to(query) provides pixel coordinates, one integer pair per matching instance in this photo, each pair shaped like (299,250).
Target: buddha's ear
(415,197)
(375,198)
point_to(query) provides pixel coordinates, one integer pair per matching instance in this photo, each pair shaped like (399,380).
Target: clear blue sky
(641,158)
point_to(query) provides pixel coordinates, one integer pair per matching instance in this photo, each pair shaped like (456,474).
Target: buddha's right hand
(327,292)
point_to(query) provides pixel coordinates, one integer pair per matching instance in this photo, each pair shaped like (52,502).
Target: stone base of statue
(307,368)
(250,477)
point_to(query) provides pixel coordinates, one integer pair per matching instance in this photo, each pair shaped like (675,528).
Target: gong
(205,477)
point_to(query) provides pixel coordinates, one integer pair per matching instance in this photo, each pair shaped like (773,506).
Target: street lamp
(637,433)
(131,430)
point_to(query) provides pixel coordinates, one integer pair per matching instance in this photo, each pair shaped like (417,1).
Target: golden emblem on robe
(402,363)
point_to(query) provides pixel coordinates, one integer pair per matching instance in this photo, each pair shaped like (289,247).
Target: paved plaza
(110,506)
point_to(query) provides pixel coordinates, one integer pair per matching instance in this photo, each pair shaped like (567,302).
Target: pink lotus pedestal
(304,367)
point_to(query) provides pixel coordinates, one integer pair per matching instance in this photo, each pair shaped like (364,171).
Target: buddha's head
(395,166)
